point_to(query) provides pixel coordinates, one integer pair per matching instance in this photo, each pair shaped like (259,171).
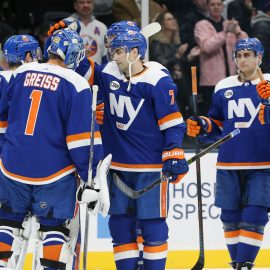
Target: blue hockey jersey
(236,105)
(4,80)
(139,123)
(49,119)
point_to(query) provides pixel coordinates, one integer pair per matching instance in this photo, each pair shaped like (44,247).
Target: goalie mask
(17,46)
(68,45)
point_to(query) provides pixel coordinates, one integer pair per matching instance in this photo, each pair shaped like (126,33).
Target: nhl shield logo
(114,85)
(43,205)
(228,94)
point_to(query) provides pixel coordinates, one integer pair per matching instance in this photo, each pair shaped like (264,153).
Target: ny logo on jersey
(239,110)
(119,107)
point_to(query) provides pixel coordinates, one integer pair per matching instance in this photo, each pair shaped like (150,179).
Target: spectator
(166,48)
(92,30)
(241,10)
(200,12)
(130,10)
(260,28)
(216,38)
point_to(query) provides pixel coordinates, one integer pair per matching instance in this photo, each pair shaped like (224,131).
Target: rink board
(183,224)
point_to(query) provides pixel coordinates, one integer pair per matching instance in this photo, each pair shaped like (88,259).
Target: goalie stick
(135,194)
(90,178)
(151,29)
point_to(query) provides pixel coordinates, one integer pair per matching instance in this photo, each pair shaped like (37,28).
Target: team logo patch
(228,94)
(25,38)
(114,85)
(43,205)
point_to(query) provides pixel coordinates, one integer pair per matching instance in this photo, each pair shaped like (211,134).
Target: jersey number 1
(35,97)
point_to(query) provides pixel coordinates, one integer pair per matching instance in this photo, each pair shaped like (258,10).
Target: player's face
(84,7)
(120,57)
(246,61)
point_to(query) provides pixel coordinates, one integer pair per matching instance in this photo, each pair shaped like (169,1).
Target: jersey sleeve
(169,119)
(79,133)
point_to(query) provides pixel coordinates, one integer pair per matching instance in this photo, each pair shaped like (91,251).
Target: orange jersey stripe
(38,179)
(3,124)
(154,249)
(243,164)
(82,136)
(169,117)
(92,64)
(252,235)
(127,247)
(232,234)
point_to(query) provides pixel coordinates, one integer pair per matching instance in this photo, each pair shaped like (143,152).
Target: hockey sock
(231,226)
(254,219)
(155,235)
(126,250)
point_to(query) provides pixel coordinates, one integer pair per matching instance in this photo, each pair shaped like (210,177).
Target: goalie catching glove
(198,125)
(263,90)
(97,197)
(174,163)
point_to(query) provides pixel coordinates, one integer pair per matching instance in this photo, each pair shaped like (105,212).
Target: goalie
(47,141)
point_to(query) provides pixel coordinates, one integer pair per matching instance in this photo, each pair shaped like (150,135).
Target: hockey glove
(100,113)
(72,25)
(174,163)
(198,125)
(264,114)
(263,90)
(89,195)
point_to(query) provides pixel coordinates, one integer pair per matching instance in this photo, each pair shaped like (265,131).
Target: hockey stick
(151,29)
(200,262)
(135,194)
(90,180)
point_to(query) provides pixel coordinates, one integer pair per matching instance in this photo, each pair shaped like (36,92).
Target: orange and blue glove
(100,113)
(174,163)
(263,90)
(264,114)
(72,25)
(198,125)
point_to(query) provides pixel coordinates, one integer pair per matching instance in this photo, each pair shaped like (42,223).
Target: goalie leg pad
(57,248)
(11,243)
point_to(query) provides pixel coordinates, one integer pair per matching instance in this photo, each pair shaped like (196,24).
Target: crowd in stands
(194,32)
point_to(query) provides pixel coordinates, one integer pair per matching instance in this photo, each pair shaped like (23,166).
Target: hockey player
(18,49)
(47,140)
(143,122)
(243,170)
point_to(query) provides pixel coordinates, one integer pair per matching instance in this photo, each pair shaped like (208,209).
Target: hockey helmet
(68,45)
(249,44)
(16,47)
(129,40)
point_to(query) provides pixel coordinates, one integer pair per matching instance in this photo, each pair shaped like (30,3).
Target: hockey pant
(243,230)
(126,250)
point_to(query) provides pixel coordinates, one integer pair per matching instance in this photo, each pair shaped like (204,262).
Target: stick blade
(151,29)
(199,264)
(124,188)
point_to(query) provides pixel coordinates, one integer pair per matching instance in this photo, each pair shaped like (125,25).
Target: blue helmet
(16,47)
(122,27)
(68,45)
(129,40)
(249,44)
